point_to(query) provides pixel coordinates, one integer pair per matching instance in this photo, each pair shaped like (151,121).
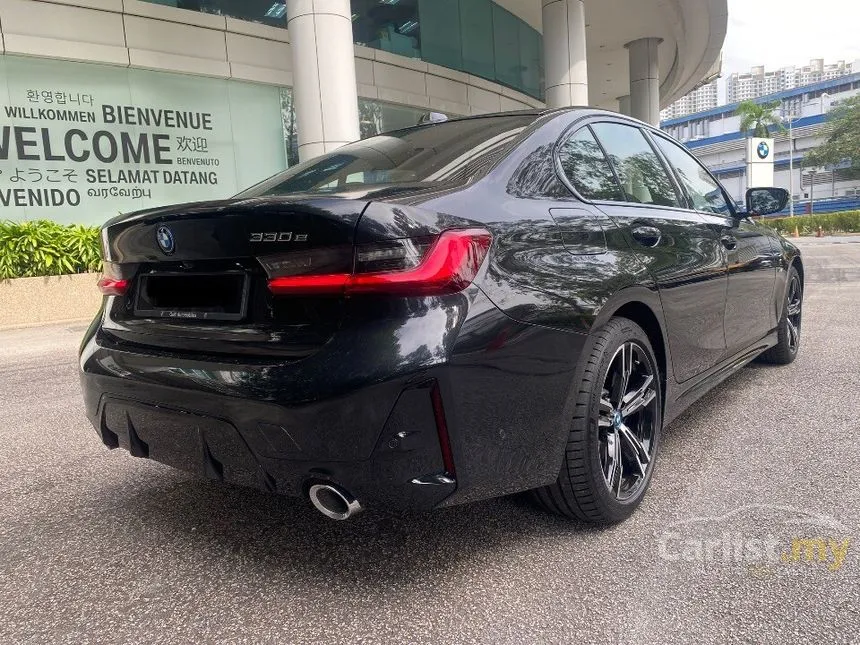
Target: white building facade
(714,137)
(704,98)
(115,105)
(759,82)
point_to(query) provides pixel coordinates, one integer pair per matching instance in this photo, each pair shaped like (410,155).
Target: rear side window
(586,167)
(706,194)
(643,176)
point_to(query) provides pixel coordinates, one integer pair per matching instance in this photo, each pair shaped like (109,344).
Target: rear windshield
(439,152)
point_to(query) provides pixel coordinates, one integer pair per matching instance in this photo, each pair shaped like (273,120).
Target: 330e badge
(279,236)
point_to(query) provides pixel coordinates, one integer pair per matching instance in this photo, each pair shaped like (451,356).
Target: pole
(812,192)
(791,165)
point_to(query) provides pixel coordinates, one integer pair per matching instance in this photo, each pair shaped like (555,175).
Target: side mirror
(766,201)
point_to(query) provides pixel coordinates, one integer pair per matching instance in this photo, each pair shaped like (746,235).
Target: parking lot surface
(750,532)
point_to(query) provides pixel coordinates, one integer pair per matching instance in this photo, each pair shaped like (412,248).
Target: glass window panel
(270,12)
(476,27)
(506,35)
(376,117)
(370,118)
(440,32)
(643,177)
(705,193)
(227,135)
(530,60)
(585,165)
(288,121)
(390,26)
(476,36)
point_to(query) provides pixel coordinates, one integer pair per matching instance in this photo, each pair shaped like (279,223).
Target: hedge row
(40,248)
(846,222)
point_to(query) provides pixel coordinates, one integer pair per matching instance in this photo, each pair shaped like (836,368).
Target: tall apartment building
(758,82)
(701,99)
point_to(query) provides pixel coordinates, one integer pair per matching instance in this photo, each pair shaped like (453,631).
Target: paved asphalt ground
(98,547)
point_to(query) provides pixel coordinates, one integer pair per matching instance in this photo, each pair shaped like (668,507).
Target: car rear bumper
(374,442)
(358,413)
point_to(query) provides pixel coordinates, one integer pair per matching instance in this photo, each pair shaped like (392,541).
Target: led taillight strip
(450,266)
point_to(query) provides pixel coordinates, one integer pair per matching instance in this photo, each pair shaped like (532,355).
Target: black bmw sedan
(441,314)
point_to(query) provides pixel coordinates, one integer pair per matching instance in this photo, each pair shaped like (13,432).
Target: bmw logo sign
(164,237)
(763,150)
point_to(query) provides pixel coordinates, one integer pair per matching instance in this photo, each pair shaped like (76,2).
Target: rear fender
(389,221)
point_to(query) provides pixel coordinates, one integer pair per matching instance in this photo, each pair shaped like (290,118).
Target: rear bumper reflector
(442,429)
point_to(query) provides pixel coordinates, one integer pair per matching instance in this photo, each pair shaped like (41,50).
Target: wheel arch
(642,315)
(643,306)
(781,292)
(797,263)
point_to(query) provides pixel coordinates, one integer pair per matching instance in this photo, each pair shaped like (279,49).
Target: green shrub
(847,222)
(41,247)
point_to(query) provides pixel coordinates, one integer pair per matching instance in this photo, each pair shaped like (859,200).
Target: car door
(753,266)
(680,252)
(751,254)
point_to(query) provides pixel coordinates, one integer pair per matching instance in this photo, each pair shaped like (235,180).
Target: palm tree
(756,118)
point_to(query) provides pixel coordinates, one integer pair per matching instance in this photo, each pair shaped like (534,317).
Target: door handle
(729,241)
(647,235)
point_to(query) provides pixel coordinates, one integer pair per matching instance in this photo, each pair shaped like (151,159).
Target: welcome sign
(81,143)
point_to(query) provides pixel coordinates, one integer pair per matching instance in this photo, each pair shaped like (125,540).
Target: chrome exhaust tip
(333,502)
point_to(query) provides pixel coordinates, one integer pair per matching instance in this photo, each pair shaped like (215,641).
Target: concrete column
(624,104)
(644,80)
(565,61)
(325,95)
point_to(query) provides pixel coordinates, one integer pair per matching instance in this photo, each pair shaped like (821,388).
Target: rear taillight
(111,283)
(112,287)
(409,267)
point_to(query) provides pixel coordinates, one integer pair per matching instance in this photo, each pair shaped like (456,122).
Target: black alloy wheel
(615,430)
(788,331)
(793,312)
(628,411)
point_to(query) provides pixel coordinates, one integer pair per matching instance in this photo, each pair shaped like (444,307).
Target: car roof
(539,112)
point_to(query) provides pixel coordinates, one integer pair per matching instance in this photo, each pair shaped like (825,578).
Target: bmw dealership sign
(760,154)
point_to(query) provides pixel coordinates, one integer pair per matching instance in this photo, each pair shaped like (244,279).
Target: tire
(788,330)
(582,490)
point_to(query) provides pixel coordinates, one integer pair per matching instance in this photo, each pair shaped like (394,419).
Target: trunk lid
(232,229)
(197,281)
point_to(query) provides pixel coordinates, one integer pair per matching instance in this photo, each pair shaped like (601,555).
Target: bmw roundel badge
(164,237)
(763,150)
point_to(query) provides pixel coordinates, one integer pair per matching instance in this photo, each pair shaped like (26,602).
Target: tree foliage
(843,141)
(757,118)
